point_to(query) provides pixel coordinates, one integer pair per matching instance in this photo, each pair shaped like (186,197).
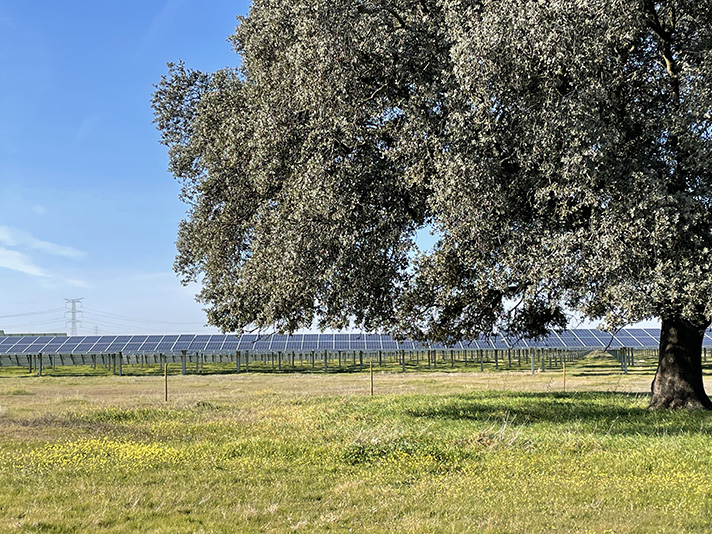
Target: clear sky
(87,208)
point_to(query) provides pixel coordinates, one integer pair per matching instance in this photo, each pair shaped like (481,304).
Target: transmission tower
(71,313)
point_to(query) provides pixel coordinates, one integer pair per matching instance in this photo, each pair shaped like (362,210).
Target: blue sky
(87,208)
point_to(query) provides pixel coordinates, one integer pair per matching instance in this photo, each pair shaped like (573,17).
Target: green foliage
(560,151)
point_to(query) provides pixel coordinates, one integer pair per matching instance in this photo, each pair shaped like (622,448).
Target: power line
(75,317)
(133,319)
(22,325)
(43,312)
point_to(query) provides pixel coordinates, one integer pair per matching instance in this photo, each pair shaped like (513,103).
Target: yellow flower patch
(99,453)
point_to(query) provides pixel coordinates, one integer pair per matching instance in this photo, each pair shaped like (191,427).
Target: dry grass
(431,452)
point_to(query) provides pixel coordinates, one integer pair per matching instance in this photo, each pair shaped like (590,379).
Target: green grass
(431,452)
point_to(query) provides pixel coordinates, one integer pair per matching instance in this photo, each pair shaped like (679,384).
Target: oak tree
(560,152)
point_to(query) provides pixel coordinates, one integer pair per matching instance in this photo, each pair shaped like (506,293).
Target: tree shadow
(606,413)
(615,372)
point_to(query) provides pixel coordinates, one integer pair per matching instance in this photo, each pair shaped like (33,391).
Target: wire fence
(533,360)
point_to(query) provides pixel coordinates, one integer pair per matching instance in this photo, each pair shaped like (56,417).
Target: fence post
(184,357)
(370,367)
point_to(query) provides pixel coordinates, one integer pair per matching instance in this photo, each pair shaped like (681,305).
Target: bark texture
(678,381)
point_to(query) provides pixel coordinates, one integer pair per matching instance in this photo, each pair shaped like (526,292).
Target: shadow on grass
(614,372)
(620,414)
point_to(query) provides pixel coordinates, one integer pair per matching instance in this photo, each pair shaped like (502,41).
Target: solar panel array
(229,343)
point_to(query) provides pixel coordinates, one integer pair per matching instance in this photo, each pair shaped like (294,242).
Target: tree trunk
(678,380)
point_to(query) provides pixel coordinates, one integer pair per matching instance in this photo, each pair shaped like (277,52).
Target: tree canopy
(561,153)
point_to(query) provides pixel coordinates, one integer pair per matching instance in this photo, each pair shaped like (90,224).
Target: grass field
(430,452)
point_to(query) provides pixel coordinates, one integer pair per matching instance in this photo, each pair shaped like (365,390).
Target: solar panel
(262,345)
(552,340)
(294,343)
(326,342)
(655,333)
(569,339)
(36,348)
(645,337)
(246,341)
(199,342)
(51,349)
(342,342)
(183,342)
(605,339)
(116,346)
(229,343)
(588,338)
(482,342)
(310,342)
(499,342)
(627,340)
(278,343)
(68,347)
(707,341)
(19,347)
(149,347)
(388,343)
(103,343)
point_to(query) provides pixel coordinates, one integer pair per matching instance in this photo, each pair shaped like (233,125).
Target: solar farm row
(229,343)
